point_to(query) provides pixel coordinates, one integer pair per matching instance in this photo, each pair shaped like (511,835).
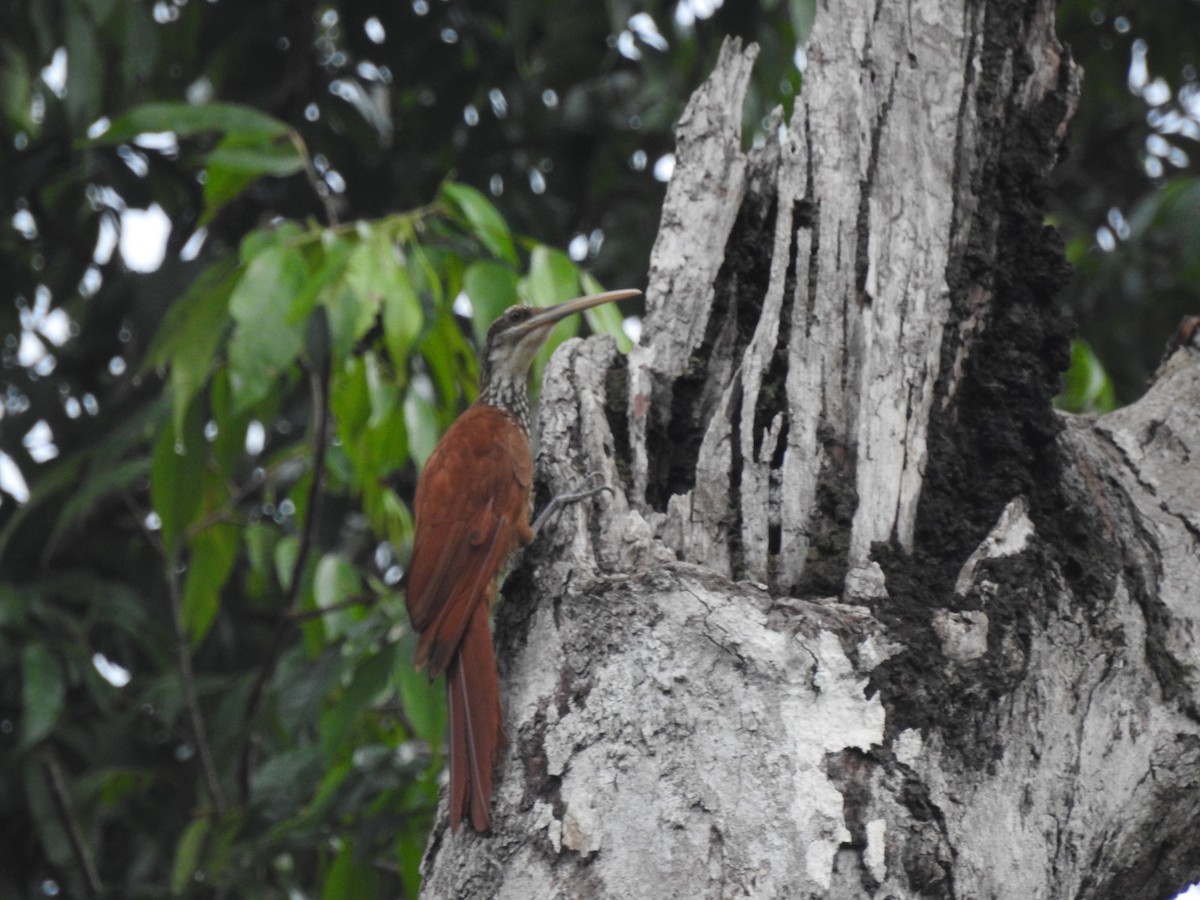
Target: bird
(471,513)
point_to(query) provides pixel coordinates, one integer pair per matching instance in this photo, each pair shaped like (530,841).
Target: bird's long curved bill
(550,315)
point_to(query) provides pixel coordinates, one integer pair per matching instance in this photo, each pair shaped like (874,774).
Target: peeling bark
(863,616)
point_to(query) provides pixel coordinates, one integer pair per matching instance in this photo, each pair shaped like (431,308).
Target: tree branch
(304,615)
(187,677)
(320,188)
(70,822)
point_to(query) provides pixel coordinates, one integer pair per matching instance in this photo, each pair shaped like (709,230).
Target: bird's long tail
(476,731)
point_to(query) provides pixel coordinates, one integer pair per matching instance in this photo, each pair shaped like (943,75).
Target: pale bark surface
(863,616)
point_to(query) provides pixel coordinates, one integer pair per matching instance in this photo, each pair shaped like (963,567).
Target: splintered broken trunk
(864,616)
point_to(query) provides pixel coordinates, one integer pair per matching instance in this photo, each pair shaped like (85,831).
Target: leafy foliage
(1126,194)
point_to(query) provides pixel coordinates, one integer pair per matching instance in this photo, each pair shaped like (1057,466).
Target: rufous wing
(472,511)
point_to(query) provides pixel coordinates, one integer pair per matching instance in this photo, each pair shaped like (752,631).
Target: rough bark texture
(863,616)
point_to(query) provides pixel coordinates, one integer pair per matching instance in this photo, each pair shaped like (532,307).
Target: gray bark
(863,616)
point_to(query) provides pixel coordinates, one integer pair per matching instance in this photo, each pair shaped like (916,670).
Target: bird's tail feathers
(476,730)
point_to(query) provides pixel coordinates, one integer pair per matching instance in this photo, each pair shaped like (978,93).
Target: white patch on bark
(1009,535)
(875,856)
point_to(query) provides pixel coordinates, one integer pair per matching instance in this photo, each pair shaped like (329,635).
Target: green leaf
(391,517)
(492,288)
(104,453)
(196,315)
(260,543)
(410,850)
(552,277)
(370,683)
(241,159)
(177,476)
(402,318)
(187,855)
(262,239)
(14,605)
(451,361)
(606,319)
(222,845)
(327,263)
(229,445)
(803,14)
(285,779)
(256,155)
(189,334)
(43,692)
(118,784)
(185,119)
(489,226)
(377,282)
(16,90)
(213,552)
(421,423)
(378,452)
(423,700)
(335,582)
(350,399)
(1086,385)
(86,72)
(349,877)
(47,823)
(265,340)
(381,391)
(95,486)
(287,551)
(49,485)
(324,795)
(140,44)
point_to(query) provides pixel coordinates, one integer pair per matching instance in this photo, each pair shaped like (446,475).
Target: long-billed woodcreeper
(472,513)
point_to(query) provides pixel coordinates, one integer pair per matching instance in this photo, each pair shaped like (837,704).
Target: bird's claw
(572,496)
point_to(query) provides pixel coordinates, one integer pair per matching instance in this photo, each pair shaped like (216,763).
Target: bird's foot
(574,496)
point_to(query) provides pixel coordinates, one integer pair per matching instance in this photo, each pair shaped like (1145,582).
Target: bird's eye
(510,317)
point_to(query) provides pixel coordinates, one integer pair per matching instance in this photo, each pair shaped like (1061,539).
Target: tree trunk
(863,616)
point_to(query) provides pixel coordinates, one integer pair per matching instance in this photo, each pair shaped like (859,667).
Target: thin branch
(183,654)
(152,537)
(320,188)
(70,822)
(318,383)
(187,678)
(319,388)
(304,615)
(228,511)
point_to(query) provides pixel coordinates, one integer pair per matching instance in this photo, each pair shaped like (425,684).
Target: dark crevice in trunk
(673,442)
(616,413)
(830,520)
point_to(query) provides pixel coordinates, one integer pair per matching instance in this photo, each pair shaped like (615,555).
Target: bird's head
(519,332)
